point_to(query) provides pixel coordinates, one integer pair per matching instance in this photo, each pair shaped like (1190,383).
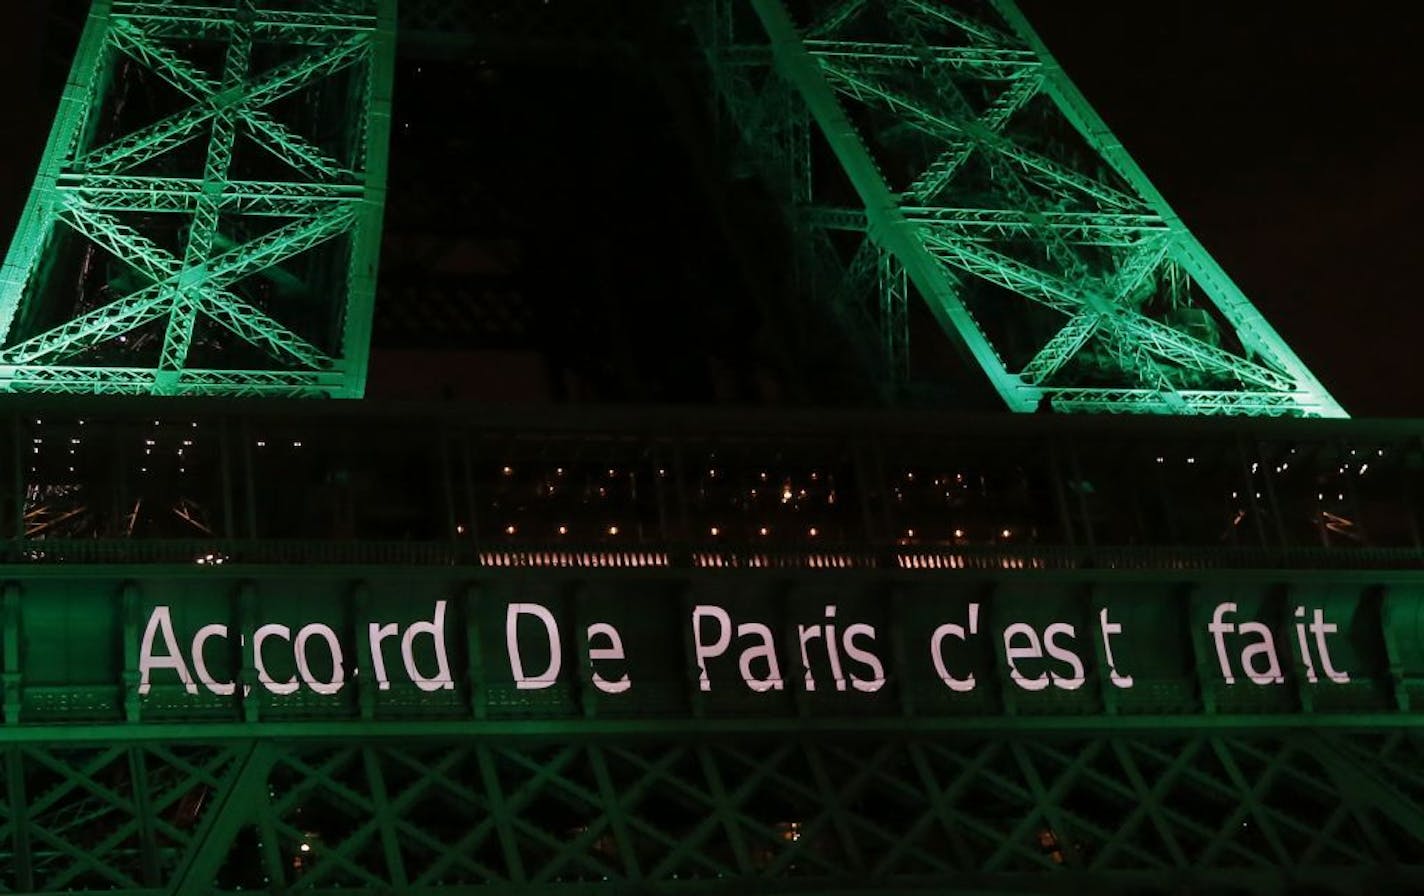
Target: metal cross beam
(964,152)
(230,177)
(531,814)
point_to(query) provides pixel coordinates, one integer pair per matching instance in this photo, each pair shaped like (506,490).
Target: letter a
(160,623)
(1271,674)
(766,652)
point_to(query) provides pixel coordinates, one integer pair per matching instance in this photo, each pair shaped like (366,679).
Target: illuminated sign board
(724,645)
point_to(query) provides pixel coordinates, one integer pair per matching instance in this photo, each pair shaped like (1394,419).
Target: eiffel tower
(288,646)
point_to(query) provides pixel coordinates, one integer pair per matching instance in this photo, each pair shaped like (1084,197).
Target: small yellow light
(612,530)
(910,533)
(508,471)
(1006,533)
(762,530)
(958,533)
(813,531)
(716,531)
(508,530)
(563,530)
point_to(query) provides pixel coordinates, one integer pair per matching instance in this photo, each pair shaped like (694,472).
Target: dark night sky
(1290,143)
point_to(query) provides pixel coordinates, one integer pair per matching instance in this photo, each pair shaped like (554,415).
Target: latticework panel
(207,213)
(951,159)
(1153,813)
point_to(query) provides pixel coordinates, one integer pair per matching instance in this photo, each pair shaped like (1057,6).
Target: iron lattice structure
(1185,812)
(215,175)
(1192,786)
(927,153)
(348,514)
(936,150)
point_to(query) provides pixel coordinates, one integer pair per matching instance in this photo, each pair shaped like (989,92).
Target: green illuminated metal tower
(925,153)
(340,648)
(207,213)
(936,152)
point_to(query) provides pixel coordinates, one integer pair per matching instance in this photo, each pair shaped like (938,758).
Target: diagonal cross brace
(153,301)
(161,136)
(888,225)
(277,138)
(203,230)
(1068,298)
(1254,331)
(234,807)
(155,263)
(864,89)
(942,170)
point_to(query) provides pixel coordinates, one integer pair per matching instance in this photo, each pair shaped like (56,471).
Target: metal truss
(763,812)
(961,150)
(238,230)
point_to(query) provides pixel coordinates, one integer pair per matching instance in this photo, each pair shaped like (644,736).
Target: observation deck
(449,484)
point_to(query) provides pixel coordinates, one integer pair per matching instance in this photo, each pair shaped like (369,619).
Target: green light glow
(206,206)
(977,177)
(926,151)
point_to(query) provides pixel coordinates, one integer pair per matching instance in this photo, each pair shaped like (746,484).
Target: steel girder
(534,808)
(181,224)
(965,153)
(570,788)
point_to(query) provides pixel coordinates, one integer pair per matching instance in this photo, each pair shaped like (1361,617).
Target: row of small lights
(662,471)
(715,531)
(814,475)
(148,443)
(261,443)
(788,493)
(559,471)
(512,529)
(83,422)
